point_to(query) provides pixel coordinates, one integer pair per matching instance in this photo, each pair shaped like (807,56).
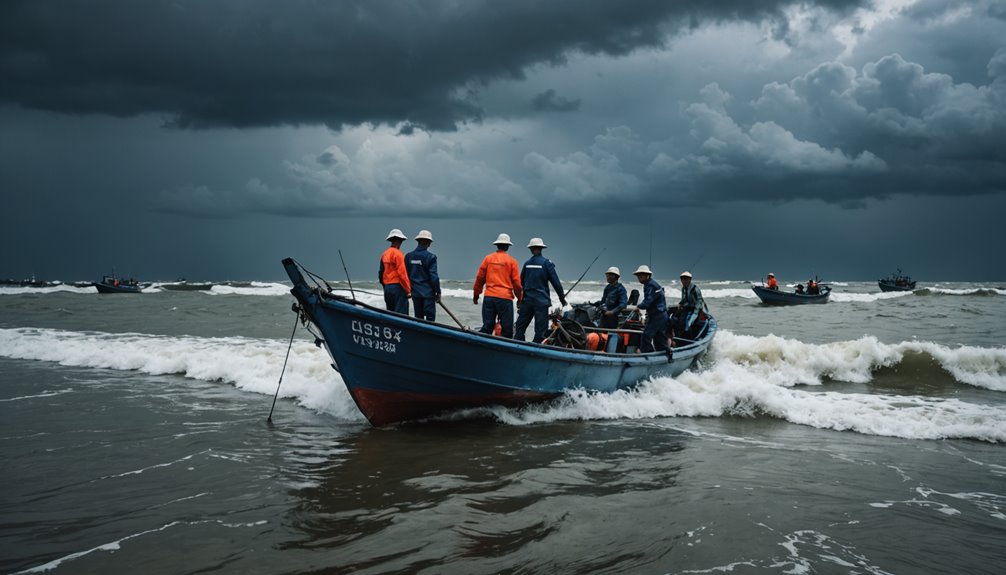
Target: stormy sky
(208,140)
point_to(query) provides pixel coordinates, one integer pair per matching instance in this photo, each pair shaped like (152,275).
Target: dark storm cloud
(549,101)
(834,133)
(260,63)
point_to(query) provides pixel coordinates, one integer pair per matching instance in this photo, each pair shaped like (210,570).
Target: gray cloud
(833,133)
(549,101)
(261,63)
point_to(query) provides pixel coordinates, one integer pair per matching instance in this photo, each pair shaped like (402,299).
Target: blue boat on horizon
(399,368)
(112,284)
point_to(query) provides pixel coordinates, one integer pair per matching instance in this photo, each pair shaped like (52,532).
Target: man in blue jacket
(613,300)
(654,334)
(421,264)
(537,273)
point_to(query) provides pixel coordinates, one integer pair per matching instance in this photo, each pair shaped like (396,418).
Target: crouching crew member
(393,275)
(421,264)
(613,300)
(501,279)
(771,282)
(537,273)
(654,334)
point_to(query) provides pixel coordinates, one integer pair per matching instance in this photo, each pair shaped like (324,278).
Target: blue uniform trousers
(394,298)
(654,334)
(525,312)
(494,308)
(424,307)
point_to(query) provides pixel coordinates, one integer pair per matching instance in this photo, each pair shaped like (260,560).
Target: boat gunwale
(537,350)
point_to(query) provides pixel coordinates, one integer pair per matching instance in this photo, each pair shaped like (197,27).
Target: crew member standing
(771,282)
(501,279)
(691,302)
(535,276)
(613,300)
(393,275)
(654,334)
(421,264)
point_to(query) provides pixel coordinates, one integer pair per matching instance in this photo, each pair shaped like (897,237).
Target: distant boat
(113,284)
(398,368)
(896,282)
(779,297)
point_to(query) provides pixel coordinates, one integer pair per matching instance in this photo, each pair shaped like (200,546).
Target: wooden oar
(451,314)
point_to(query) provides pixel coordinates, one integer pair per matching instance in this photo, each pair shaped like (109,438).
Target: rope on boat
(569,334)
(297,310)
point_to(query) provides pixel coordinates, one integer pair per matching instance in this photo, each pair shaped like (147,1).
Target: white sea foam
(746,293)
(842,297)
(18,290)
(745,376)
(249,364)
(987,291)
(256,288)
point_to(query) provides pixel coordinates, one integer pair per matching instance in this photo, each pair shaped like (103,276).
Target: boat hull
(109,288)
(398,368)
(778,297)
(892,286)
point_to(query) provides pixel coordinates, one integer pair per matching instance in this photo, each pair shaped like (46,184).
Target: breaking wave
(978,291)
(744,376)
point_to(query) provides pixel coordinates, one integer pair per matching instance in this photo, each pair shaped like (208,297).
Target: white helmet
(614,270)
(424,235)
(396,233)
(644,269)
(771,275)
(686,274)
(536,243)
(503,239)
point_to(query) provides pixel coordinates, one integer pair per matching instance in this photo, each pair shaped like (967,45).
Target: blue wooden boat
(896,282)
(112,284)
(399,368)
(779,297)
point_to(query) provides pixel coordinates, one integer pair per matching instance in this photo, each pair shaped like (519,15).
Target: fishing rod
(584,272)
(697,261)
(347,275)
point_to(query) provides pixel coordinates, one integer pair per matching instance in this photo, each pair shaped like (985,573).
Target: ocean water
(861,436)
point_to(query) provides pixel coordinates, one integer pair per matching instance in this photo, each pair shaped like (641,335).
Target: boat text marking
(375,336)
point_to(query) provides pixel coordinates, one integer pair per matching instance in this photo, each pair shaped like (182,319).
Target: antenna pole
(347,275)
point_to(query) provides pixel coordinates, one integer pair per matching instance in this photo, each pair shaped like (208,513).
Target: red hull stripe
(385,407)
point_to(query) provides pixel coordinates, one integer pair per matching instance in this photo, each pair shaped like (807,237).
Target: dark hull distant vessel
(111,284)
(896,282)
(398,368)
(779,297)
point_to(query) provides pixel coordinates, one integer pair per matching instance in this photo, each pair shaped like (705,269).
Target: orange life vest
(499,275)
(393,261)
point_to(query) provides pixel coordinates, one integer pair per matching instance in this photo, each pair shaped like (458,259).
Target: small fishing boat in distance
(896,282)
(399,368)
(113,284)
(770,296)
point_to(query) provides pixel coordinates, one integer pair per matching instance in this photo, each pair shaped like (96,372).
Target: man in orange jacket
(393,275)
(500,276)
(772,283)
